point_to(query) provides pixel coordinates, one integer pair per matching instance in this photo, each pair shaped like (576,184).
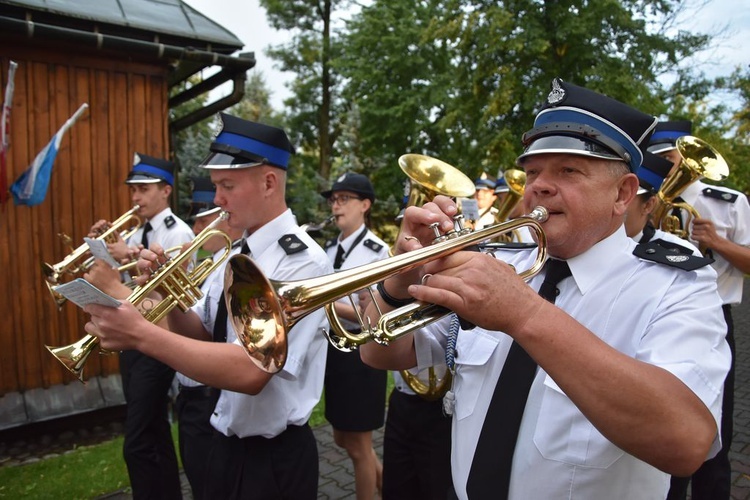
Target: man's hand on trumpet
(118,328)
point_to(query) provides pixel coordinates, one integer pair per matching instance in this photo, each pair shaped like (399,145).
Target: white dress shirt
(732,221)
(655,313)
(292,393)
(365,252)
(167,236)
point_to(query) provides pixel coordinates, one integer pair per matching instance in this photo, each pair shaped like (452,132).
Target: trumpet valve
(435,226)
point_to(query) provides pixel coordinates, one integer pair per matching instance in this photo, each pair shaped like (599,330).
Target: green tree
(313,108)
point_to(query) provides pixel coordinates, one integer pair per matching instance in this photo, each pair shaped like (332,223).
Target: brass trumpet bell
(263,310)
(430,177)
(698,160)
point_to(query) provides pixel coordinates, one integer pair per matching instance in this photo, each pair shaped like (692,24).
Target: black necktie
(339,258)
(220,325)
(489,476)
(144,238)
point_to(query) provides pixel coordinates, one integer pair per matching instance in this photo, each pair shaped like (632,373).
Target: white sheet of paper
(99,250)
(81,292)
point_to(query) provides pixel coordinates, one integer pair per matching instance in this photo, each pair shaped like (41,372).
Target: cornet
(698,160)
(80,259)
(262,311)
(180,289)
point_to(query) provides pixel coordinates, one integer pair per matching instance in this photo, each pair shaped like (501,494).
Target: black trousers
(194,407)
(713,480)
(148,448)
(283,467)
(416,449)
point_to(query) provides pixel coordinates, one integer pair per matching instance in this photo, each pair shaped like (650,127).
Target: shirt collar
(158,219)
(586,268)
(269,233)
(691,193)
(347,242)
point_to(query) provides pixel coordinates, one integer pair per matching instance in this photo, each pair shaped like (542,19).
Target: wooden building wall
(127,113)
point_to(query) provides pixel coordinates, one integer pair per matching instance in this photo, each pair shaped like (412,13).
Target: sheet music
(81,293)
(99,250)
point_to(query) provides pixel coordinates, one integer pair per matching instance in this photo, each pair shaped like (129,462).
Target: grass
(90,471)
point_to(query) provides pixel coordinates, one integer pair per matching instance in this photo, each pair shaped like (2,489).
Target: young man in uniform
(148,448)
(723,228)
(263,447)
(609,378)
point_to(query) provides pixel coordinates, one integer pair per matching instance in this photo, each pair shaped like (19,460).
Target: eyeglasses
(342,199)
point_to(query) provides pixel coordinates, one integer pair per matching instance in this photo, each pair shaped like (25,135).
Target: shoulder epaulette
(673,257)
(718,194)
(373,245)
(291,244)
(329,243)
(169,221)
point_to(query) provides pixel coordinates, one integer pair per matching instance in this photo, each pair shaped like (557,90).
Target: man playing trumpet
(609,378)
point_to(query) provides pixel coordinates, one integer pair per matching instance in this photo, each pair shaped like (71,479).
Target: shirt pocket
(565,435)
(473,350)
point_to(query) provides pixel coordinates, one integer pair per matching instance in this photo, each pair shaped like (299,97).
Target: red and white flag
(4,132)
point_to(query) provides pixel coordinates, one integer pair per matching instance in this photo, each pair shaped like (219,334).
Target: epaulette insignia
(169,221)
(670,256)
(718,194)
(373,245)
(672,247)
(329,243)
(291,244)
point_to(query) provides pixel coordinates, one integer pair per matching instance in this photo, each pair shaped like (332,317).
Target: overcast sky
(247,20)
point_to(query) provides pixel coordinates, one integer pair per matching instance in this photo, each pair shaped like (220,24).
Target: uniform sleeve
(686,337)
(741,230)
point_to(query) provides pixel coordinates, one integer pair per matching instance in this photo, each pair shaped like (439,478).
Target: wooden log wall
(127,113)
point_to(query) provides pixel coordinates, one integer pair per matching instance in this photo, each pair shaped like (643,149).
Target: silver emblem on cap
(677,258)
(341,179)
(557,93)
(136,159)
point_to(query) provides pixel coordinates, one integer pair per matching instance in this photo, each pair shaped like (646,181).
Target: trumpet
(262,311)
(80,259)
(180,288)
(698,159)
(312,227)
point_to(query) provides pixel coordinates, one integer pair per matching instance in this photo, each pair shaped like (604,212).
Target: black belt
(198,391)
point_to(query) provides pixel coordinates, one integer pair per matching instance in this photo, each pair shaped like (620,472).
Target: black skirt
(354,392)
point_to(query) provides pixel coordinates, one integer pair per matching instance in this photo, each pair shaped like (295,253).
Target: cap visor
(223,161)
(561,144)
(142,179)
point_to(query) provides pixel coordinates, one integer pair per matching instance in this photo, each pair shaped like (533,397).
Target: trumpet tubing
(180,288)
(263,311)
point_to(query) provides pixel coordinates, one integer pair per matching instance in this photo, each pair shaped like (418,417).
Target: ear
(650,205)
(270,181)
(627,187)
(167,190)
(367,204)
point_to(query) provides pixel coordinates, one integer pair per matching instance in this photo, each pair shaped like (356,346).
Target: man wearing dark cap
(148,448)
(485,196)
(724,229)
(608,378)
(263,446)
(354,392)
